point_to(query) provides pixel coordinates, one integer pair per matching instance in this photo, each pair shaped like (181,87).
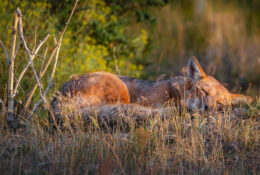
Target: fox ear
(240,99)
(195,72)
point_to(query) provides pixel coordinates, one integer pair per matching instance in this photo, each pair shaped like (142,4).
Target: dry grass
(219,37)
(175,142)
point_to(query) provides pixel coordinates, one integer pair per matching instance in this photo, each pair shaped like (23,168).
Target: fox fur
(197,91)
(98,88)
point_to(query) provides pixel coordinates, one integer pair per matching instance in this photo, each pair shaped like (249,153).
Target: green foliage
(34,15)
(103,33)
(96,39)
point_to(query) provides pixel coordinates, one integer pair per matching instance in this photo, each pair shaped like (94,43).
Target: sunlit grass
(175,142)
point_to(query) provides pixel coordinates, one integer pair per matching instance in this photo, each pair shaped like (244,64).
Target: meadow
(140,141)
(149,40)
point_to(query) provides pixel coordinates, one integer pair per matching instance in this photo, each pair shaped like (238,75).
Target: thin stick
(28,51)
(115,60)
(56,60)
(43,58)
(57,47)
(61,35)
(39,102)
(28,101)
(10,108)
(42,72)
(30,95)
(50,82)
(57,44)
(6,53)
(29,63)
(17,47)
(15,78)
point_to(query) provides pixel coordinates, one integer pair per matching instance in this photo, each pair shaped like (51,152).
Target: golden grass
(179,142)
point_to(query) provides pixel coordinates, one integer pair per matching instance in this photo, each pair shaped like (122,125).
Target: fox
(196,91)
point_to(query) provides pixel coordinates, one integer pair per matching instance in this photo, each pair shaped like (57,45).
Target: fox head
(205,92)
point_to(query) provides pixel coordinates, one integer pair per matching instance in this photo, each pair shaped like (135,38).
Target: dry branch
(49,85)
(6,53)
(28,51)
(42,72)
(56,60)
(10,108)
(17,47)
(29,63)
(57,48)
(44,57)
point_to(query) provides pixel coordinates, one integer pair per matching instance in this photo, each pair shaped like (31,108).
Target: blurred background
(143,38)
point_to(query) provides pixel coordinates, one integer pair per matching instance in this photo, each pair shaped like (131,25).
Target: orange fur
(98,88)
(207,92)
(198,91)
(200,68)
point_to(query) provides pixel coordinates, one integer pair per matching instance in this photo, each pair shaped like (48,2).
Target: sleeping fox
(197,91)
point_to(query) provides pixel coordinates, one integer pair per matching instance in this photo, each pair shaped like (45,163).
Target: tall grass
(218,35)
(178,143)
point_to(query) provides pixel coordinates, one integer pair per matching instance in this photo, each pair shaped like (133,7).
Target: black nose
(206,107)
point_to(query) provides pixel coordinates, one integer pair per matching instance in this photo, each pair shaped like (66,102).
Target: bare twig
(15,78)
(6,53)
(61,35)
(57,43)
(56,59)
(50,82)
(40,101)
(43,59)
(57,47)
(54,37)
(10,109)
(28,64)
(17,47)
(28,101)
(28,51)
(115,60)
(42,72)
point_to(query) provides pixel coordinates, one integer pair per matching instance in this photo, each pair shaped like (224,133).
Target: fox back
(197,91)
(147,93)
(88,90)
